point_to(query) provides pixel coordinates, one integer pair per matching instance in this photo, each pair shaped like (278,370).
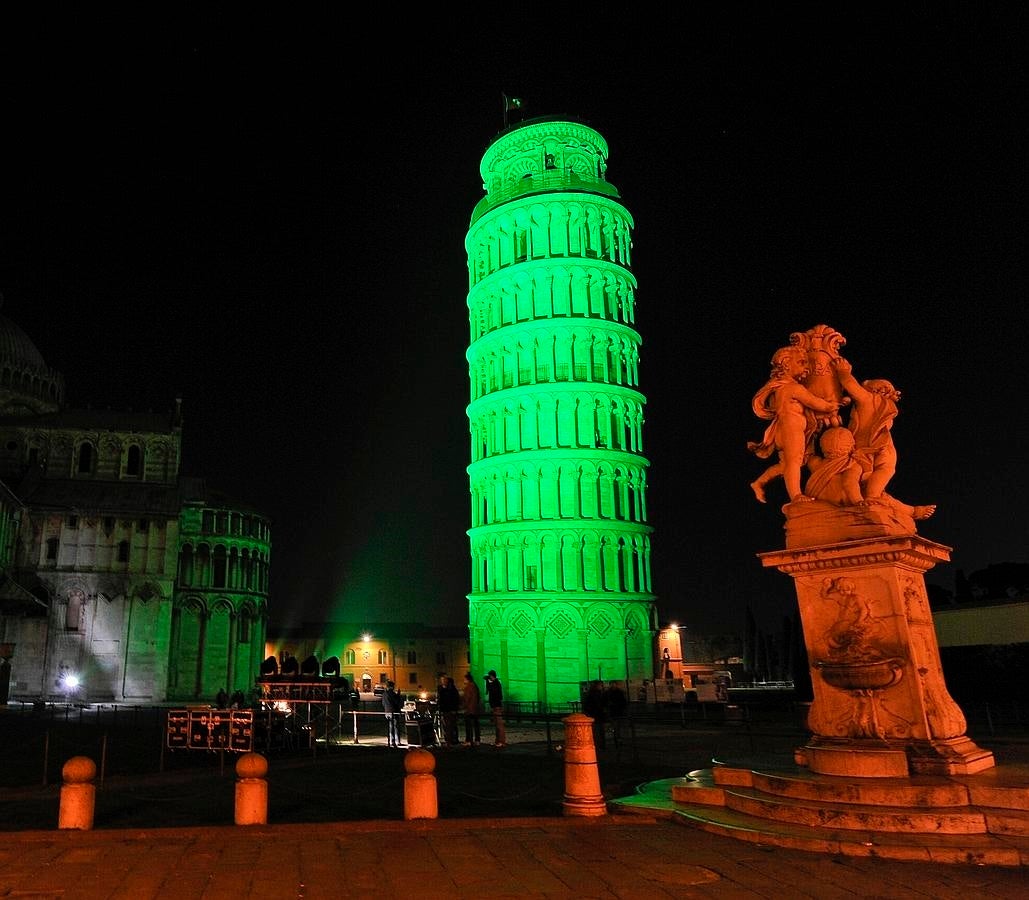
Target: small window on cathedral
(85,459)
(51,548)
(73,618)
(349,657)
(72,522)
(108,524)
(132,461)
(144,524)
(123,551)
(412,658)
(244,629)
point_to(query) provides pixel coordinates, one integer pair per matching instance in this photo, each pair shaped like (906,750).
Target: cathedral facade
(123,580)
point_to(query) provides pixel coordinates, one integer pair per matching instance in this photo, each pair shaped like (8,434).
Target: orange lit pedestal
(881,707)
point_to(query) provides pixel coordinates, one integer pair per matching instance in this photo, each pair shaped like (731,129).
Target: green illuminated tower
(560,545)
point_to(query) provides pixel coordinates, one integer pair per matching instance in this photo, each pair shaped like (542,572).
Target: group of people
(451,703)
(604,705)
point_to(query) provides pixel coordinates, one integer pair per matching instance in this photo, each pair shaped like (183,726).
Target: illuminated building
(410,654)
(123,581)
(560,545)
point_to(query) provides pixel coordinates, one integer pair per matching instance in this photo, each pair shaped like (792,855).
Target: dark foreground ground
(336,824)
(145,785)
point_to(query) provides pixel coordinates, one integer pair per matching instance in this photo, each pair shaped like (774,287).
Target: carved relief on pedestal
(857,663)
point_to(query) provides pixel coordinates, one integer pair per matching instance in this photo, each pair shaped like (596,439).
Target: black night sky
(267,217)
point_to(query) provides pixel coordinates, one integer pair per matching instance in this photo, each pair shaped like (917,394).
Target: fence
(133,740)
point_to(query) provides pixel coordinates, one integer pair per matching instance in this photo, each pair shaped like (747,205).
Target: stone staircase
(980,819)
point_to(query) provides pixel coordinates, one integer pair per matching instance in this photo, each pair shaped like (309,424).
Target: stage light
(70,682)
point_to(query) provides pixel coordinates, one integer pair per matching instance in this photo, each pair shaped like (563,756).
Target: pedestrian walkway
(605,857)
(337,826)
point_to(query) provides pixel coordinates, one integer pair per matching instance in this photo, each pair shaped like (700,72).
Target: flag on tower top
(511,103)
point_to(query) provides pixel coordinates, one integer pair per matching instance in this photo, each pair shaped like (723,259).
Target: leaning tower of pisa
(560,545)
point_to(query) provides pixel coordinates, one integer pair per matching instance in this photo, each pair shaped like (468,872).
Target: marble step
(974,849)
(1002,787)
(856,817)
(878,805)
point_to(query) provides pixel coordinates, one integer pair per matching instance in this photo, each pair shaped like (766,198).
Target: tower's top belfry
(541,155)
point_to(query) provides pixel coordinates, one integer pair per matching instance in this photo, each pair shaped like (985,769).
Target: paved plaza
(336,825)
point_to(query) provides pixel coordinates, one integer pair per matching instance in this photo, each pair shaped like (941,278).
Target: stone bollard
(582,779)
(420,800)
(251,790)
(78,794)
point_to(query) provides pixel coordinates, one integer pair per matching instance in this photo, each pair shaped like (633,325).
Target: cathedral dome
(16,348)
(27,384)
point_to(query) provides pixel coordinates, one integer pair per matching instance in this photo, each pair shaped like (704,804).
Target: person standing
(449,704)
(495,697)
(471,701)
(593,706)
(392,705)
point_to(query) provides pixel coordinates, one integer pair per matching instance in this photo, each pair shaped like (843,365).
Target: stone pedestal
(881,707)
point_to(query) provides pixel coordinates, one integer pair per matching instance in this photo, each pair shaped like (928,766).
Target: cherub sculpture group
(849,463)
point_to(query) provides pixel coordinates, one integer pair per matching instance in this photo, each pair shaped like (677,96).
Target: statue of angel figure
(873,409)
(793,411)
(836,476)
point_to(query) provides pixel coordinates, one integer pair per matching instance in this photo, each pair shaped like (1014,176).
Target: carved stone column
(881,707)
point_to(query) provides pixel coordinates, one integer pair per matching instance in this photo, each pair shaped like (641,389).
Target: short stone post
(582,779)
(420,801)
(78,794)
(251,790)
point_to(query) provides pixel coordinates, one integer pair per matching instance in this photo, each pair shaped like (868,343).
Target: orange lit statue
(793,411)
(871,418)
(836,476)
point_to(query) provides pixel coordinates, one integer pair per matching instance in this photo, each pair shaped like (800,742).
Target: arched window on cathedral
(133,460)
(186,565)
(85,466)
(219,567)
(73,615)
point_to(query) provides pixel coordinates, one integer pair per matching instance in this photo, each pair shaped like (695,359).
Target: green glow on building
(560,546)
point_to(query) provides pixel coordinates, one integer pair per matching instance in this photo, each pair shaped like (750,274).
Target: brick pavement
(547,856)
(606,857)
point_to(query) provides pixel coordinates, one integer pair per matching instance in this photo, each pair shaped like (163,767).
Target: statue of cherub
(793,411)
(836,476)
(874,407)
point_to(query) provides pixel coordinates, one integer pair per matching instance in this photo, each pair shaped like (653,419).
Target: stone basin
(861,676)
